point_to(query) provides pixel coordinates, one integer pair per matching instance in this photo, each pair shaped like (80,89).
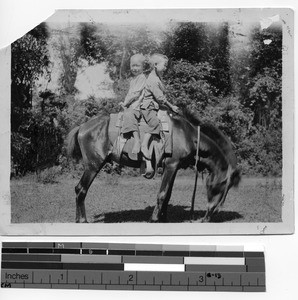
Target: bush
(188,86)
(20,152)
(261,152)
(49,175)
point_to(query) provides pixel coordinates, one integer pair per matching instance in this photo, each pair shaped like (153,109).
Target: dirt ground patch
(132,199)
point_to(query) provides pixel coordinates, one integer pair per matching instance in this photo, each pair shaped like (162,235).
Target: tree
(29,60)
(201,43)
(188,85)
(219,58)
(187,41)
(265,84)
(92,43)
(78,46)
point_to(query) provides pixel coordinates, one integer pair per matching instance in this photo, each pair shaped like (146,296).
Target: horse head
(217,156)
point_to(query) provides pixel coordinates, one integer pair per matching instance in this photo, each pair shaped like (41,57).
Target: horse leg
(81,191)
(211,210)
(164,195)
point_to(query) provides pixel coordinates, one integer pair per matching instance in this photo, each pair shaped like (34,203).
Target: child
(133,99)
(153,96)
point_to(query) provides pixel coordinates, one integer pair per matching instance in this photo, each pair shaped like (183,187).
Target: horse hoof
(204,220)
(153,221)
(81,221)
(149,175)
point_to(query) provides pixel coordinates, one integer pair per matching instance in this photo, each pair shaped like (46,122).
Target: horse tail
(73,147)
(235,177)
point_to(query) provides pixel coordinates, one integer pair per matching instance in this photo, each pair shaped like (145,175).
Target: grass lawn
(113,199)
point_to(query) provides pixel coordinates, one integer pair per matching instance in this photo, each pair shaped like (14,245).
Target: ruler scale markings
(228,288)
(16,276)
(229,268)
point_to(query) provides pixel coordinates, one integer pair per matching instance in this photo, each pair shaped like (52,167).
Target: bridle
(197,160)
(197,173)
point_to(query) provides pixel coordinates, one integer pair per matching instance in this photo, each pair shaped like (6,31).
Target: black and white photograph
(176,122)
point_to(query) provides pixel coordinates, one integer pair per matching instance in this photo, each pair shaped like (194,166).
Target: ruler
(112,266)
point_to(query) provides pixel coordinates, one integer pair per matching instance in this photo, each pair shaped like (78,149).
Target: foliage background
(231,77)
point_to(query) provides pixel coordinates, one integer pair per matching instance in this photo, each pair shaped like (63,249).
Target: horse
(91,143)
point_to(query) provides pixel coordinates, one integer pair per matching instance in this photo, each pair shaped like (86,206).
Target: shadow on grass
(176,214)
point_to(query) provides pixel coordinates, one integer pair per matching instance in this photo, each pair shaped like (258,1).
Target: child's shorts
(131,118)
(150,117)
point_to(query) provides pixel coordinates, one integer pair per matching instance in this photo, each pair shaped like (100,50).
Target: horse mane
(213,133)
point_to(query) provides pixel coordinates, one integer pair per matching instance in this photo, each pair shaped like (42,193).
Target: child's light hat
(138,57)
(156,58)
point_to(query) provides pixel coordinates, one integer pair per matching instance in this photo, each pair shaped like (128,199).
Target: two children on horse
(146,93)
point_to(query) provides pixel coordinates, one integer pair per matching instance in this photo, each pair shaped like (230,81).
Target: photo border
(199,15)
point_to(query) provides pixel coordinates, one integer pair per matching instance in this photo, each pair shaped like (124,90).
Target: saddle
(159,146)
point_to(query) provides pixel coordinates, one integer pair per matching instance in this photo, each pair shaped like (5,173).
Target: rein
(197,174)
